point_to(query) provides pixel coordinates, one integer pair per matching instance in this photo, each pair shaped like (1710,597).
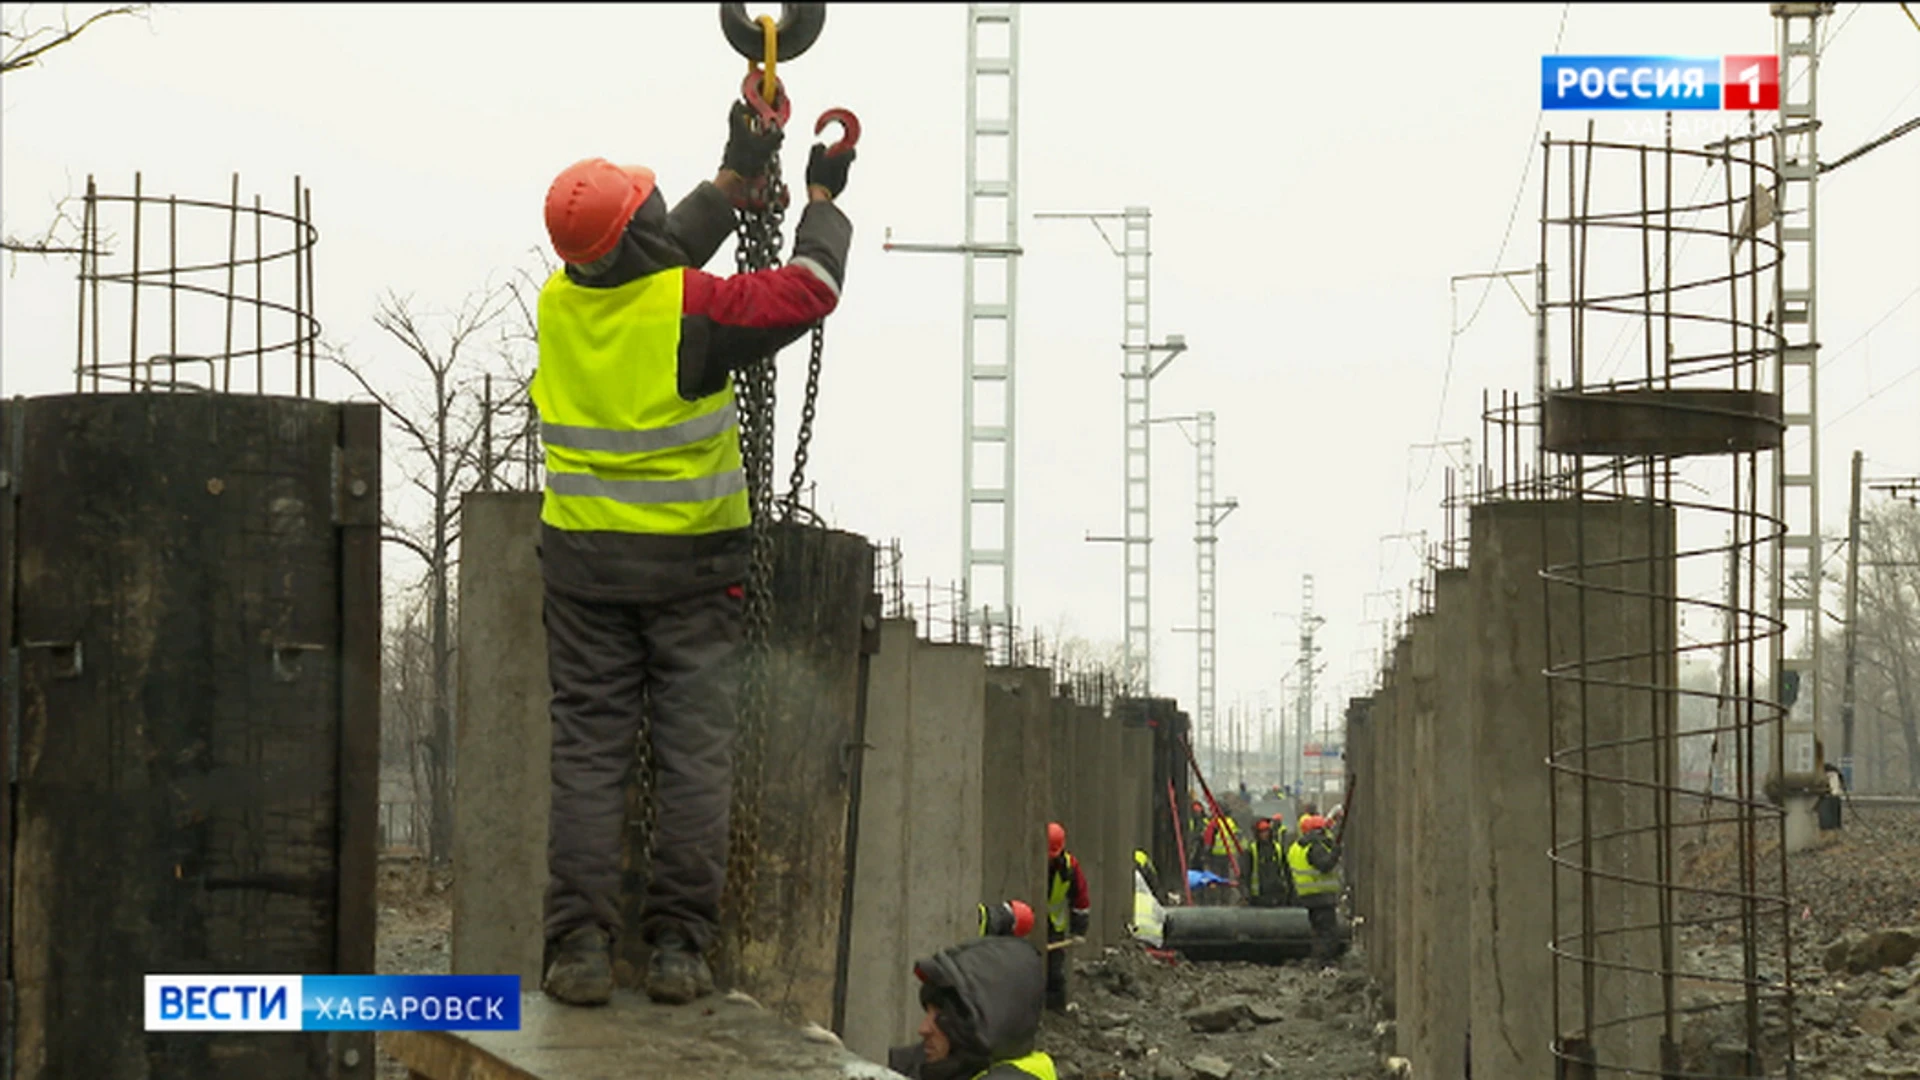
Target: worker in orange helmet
(1069,911)
(1313,861)
(644,538)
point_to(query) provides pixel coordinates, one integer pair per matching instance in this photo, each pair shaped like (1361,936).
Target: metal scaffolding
(990,254)
(1138,369)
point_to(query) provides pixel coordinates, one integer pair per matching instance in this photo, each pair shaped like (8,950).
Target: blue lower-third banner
(333,1002)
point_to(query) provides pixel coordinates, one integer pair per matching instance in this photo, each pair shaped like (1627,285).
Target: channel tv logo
(332,1003)
(1660,83)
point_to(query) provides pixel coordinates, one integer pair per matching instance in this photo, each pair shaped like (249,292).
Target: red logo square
(1750,83)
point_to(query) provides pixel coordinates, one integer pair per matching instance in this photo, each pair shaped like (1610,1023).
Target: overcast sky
(1316,174)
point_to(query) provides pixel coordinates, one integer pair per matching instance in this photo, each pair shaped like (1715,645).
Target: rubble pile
(1855,916)
(1136,1017)
(1860,1016)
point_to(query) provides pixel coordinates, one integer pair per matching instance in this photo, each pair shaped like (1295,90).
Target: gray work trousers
(679,661)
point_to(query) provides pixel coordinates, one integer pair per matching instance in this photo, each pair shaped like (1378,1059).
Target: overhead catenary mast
(990,257)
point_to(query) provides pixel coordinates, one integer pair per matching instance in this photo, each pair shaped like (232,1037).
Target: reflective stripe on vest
(625,452)
(1057,891)
(1037,1065)
(1306,880)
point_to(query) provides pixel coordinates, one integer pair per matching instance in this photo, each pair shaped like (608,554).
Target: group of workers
(1275,869)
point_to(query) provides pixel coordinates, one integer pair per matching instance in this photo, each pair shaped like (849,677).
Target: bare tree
(1887,680)
(1890,622)
(27,37)
(449,445)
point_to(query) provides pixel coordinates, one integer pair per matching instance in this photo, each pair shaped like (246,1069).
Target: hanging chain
(756,247)
(806,425)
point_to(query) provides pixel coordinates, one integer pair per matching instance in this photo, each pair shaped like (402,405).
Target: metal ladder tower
(1303,706)
(990,255)
(1208,513)
(1138,369)
(1796,579)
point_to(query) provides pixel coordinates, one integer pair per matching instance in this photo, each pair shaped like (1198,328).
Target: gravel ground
(416,927)
(1136,1016)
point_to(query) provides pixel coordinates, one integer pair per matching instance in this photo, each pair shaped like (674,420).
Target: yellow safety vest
(625,452)
(1058,888)
(1037,1065)
(1222,833)
(1306,880)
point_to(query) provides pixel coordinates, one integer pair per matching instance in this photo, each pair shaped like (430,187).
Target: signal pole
(1303,715)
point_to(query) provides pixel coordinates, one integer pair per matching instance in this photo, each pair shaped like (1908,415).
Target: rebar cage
(1672,941)
(235,283)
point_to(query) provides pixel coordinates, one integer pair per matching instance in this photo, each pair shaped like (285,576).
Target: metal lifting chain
(757,246)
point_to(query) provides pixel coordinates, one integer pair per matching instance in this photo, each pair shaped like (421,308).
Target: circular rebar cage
(218,297)
(1672,941)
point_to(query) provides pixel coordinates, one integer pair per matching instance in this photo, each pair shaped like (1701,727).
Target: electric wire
(1453,335)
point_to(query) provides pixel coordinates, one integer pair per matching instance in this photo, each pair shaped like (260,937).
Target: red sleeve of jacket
(1077,899)
(790,297)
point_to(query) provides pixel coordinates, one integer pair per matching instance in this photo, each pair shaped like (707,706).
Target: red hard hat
(1312,822)
(1022,917)
(1056,839)
(589,204)
(1263,825)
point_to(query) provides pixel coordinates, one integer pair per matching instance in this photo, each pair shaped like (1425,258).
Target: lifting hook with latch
(849,129)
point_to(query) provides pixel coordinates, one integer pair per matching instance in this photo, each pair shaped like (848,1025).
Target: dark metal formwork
(192,719)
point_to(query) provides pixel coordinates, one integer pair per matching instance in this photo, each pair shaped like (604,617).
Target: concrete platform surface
(728,1036)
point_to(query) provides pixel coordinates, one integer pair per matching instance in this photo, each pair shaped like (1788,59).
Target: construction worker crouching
(1314,861)
(1069,911)
(1268,882)
(982,1000)
(644,533)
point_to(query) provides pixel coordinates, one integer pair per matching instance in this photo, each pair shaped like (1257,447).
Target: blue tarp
(1200,879)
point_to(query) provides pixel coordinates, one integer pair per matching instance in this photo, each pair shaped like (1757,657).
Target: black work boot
(676,972)
(582,968)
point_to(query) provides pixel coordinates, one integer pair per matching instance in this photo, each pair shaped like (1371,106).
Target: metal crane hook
(849,130)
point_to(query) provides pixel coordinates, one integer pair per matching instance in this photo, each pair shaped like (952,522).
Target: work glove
(829,170)
(1077,925)
(748,149)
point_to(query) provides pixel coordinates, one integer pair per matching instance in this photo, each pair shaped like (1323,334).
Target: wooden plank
(357,513)
(730,1037)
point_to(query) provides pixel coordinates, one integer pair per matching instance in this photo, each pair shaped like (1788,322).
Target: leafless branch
(26,44)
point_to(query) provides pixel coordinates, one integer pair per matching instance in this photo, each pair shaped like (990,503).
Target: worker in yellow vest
(1222,844)
(1314,861)
(644,533)
(1069,911)
(982,1021)
(1266,868)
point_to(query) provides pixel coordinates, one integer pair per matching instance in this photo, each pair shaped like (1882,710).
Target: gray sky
(1316,174)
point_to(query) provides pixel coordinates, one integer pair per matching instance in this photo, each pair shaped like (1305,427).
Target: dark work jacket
(725,324)
(1268,883)
(989,992)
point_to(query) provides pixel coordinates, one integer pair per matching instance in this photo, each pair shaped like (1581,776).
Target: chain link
(757,247)
(806,424)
